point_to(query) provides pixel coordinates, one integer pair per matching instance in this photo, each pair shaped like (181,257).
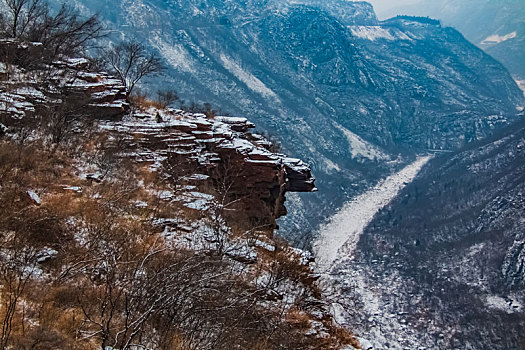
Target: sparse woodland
(86,262)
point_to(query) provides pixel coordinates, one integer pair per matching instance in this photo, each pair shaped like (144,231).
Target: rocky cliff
(217,152)
(145,225)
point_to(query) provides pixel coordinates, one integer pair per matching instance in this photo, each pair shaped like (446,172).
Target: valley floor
(339,236)
(338,239)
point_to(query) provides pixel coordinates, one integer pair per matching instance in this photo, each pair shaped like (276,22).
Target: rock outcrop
(100,95)
(107,94)
(219,152)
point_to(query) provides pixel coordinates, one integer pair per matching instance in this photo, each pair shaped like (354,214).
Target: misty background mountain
(355,97)
(498,27)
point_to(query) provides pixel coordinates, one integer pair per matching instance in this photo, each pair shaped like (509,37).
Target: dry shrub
(298,319)
(113,269)
(345,337)
(143,103)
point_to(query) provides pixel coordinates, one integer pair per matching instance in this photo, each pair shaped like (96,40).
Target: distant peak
(350,12)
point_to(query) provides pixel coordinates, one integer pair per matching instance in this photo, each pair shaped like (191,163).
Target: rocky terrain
(146,226)
(341,89)
(200,151)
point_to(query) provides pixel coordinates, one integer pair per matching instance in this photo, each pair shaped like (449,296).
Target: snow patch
(344,229)
(247,78)
(175,54)
(374,33)
(46,254)
(330,166)
(264,245)
(362,148)
(34,197)
(521,85)
(497,39)
(73,188)
(508,305)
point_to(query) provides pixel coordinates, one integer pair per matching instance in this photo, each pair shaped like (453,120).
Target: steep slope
(442,266)
(342,91)
(147,227)
(498,27)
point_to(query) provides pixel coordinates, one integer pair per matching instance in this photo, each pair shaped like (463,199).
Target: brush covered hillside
(444,262)
(125,224)
(345,92)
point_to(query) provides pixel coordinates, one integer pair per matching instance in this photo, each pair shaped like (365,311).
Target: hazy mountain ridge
(496,26)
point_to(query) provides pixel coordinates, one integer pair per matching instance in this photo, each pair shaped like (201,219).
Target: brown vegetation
(112,279)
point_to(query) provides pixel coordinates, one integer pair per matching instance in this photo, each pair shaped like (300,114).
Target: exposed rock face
(108,95)
(104,96)
(221,151)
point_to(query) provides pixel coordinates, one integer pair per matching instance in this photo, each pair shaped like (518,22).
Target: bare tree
(62,34)
(66,33)
(20,15)
(130,61)
(60,118)
(167,97)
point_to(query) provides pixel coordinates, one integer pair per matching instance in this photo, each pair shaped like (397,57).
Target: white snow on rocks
(232,120)
(34,197)
(497,39)
(340,235)
(508,305)
(247,78)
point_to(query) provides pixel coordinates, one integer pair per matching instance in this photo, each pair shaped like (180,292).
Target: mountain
(443,263)
(354,97)
(498,27)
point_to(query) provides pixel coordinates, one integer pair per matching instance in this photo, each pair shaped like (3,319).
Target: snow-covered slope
(441,266)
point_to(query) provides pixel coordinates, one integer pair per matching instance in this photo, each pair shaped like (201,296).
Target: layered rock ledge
(218,153)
